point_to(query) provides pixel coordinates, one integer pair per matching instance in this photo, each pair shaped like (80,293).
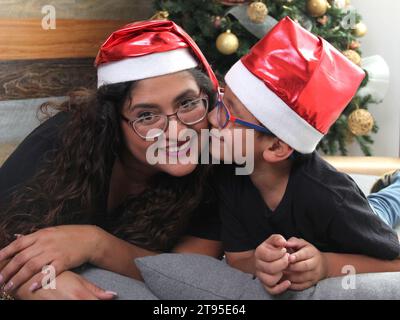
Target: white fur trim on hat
(271,110)
(147,66)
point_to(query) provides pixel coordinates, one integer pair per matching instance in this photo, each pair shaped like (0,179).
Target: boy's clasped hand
(293,264)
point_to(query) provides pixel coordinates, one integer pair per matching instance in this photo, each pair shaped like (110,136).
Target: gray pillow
(190,276)
(127,288)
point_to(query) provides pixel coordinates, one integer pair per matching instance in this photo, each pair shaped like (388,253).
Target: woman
(85,170)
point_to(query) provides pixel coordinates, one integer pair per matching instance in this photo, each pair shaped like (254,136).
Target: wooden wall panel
(35,62)
(44,78)
(25,39)
(78,9)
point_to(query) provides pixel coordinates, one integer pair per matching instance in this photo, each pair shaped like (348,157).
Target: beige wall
(382,19)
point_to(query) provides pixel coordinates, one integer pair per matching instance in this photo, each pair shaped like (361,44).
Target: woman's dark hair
(68,187)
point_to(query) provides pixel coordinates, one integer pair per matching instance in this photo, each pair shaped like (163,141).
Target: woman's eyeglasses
(154,125)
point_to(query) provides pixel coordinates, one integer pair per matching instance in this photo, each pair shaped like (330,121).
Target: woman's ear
(277,151)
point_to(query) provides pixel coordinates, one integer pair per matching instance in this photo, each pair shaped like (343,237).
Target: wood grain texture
(25,39)
(78,9)
(44,78)
(376,166)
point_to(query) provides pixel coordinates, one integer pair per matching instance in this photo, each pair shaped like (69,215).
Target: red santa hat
(295,84)
(148,49)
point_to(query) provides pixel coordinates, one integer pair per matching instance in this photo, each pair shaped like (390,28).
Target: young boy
(295,220)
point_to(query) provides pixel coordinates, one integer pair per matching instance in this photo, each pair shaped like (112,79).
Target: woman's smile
(178,149)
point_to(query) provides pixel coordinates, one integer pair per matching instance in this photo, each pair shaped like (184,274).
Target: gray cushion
(189,276)
(127,288)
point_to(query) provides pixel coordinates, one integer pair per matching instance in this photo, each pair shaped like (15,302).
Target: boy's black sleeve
(355,228)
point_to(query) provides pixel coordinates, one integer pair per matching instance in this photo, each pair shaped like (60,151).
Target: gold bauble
(160,15)
(360,122)
(227,43)
(353,56)
(257,12)
(317,8)
(360,30)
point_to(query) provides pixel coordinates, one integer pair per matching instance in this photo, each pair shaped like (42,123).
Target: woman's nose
(174,128)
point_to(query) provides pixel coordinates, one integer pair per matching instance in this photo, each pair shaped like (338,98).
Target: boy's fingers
(273,267)
(279,288)
(303,266)
(303,254)
(268,253)
(276,240)
(301,286)
(268,280)
(296,243)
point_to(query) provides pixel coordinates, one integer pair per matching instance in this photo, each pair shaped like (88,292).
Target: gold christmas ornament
(227,43)
(257,12)
(360,30)
(317,8)
(360,122)
(160,15)
(353,56)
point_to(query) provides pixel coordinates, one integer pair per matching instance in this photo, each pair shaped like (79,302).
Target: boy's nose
(212,118)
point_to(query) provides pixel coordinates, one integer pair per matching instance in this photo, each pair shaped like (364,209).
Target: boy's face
(233,141)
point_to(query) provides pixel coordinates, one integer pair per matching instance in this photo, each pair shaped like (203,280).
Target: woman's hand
(307,265)
(62,247)
(68,286)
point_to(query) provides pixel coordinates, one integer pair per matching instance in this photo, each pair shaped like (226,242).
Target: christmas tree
(226,30)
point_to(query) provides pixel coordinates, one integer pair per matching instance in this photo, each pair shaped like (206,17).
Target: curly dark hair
(72,178)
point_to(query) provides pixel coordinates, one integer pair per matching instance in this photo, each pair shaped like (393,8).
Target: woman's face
(164,95)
